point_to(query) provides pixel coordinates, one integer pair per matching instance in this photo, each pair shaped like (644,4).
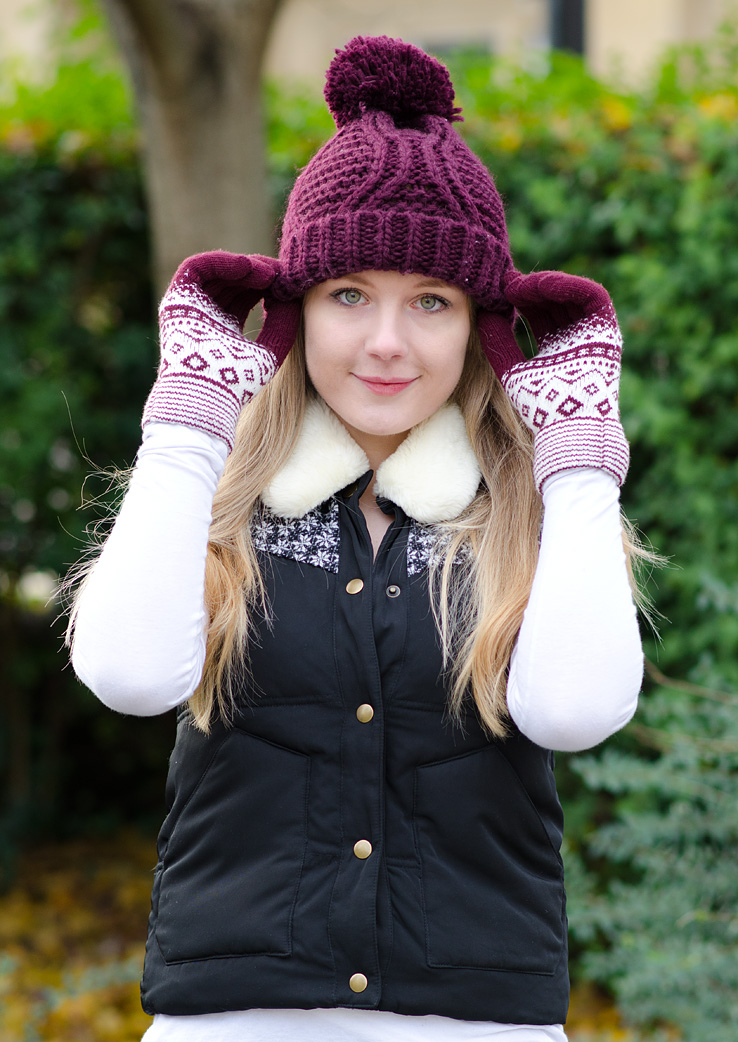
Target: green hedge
(642,194)
(77,352)
(638,190)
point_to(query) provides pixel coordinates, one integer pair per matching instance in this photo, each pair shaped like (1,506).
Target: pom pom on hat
(396,188)
(378,73)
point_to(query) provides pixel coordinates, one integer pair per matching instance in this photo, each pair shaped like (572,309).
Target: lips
(383,386)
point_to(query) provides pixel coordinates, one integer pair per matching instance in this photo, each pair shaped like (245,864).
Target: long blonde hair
(480,582)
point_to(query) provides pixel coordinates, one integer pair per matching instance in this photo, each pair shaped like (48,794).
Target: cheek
(453,355)
(324,360)
(458,356)
(314,338)
(452,375)
(314,366)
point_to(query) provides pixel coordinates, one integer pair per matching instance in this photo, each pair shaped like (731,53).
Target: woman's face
(385,350)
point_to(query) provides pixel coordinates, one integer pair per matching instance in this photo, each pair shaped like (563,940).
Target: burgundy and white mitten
(209,370)
(568,394)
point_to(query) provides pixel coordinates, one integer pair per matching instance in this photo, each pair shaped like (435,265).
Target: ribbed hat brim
(374,240)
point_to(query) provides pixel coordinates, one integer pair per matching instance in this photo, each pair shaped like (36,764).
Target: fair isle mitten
(209,370)
(568,394)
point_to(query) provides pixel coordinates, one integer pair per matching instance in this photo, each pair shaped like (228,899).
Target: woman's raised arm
(576,671)
(140,625)
(140,621)
(577,668)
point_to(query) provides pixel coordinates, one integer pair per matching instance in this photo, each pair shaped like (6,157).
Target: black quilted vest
(452,903)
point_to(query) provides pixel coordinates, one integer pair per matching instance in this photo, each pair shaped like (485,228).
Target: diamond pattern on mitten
(208,369)
(568,396)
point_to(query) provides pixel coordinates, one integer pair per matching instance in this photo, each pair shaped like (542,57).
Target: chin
(382,424)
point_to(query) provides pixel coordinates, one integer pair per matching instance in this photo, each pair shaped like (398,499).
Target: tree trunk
(196,69)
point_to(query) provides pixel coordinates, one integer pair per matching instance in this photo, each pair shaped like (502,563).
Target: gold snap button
(362,849)
(393,591)
(355,586)
(358,982)
(364,713)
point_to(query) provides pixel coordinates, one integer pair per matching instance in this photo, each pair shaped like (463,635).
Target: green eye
(429,302)
(350,296)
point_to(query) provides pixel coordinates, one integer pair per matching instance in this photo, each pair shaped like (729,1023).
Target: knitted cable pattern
(396,188)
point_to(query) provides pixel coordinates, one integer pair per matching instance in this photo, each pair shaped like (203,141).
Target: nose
(386,338)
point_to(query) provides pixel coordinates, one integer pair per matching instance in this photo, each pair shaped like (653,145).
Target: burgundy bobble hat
(396,188)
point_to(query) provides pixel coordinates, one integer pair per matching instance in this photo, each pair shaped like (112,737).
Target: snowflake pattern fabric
(315,539)
(424,544)
(208,369)
(568,396)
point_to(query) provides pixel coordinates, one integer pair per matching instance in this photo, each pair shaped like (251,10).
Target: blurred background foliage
(636,189)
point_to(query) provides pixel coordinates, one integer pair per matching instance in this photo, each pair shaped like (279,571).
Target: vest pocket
(492,882)
(232,866)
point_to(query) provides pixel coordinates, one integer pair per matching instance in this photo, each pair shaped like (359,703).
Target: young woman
(380,593)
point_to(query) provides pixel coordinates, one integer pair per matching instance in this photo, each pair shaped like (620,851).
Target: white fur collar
(432,476)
